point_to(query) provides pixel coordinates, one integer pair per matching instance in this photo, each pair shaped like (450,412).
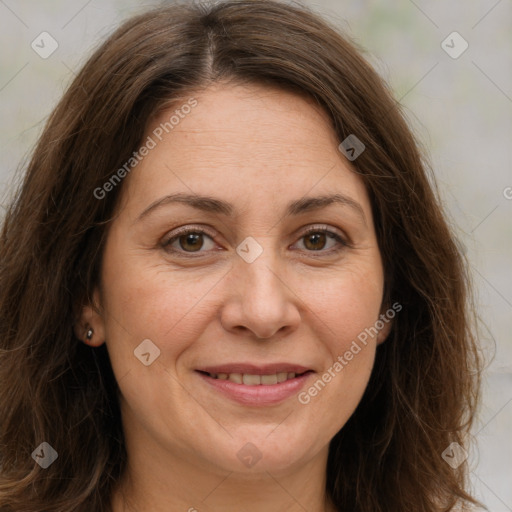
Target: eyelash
(314,229)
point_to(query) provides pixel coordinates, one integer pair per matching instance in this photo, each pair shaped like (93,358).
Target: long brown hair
(424,388)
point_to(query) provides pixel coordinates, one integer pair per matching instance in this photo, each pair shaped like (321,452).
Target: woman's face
(247,296)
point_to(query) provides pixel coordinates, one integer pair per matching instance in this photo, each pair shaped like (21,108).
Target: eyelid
(191,227)
(326,228)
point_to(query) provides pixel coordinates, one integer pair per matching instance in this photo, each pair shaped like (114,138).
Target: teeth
(269,379)
(254,380)
(235,377)
(251,380)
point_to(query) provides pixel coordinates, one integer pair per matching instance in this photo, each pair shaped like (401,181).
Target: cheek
(168,307)
(347,303)
(345,310)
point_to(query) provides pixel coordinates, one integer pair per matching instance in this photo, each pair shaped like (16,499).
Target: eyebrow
(211,204)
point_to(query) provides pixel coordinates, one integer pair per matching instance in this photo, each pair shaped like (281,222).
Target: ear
(91,318)
(386,329)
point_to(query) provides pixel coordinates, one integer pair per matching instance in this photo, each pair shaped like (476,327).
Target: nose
(260,299)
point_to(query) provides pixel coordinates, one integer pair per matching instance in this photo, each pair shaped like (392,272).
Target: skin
(257,148)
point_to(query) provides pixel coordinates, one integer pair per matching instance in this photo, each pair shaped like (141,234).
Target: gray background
(460,110)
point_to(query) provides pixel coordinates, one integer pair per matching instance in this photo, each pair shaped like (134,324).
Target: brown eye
(192,241)
(188,241)
(316,239)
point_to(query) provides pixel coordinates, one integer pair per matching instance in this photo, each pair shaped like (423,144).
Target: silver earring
(89,334)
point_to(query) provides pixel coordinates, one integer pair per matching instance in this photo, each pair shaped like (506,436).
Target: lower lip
(258,395)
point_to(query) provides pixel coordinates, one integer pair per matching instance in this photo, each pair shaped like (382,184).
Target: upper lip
(252,369)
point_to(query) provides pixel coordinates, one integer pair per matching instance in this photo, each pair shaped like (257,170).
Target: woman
(226,282)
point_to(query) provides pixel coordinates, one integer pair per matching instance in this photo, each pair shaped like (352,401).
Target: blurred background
(448,63)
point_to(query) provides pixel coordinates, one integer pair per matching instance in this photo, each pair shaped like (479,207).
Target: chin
(267,450)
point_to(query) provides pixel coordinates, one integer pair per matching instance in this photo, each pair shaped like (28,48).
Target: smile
(256,386)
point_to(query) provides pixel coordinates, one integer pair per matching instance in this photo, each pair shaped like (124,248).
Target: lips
(249,384)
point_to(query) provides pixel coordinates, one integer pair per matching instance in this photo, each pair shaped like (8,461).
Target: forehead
(250,142)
